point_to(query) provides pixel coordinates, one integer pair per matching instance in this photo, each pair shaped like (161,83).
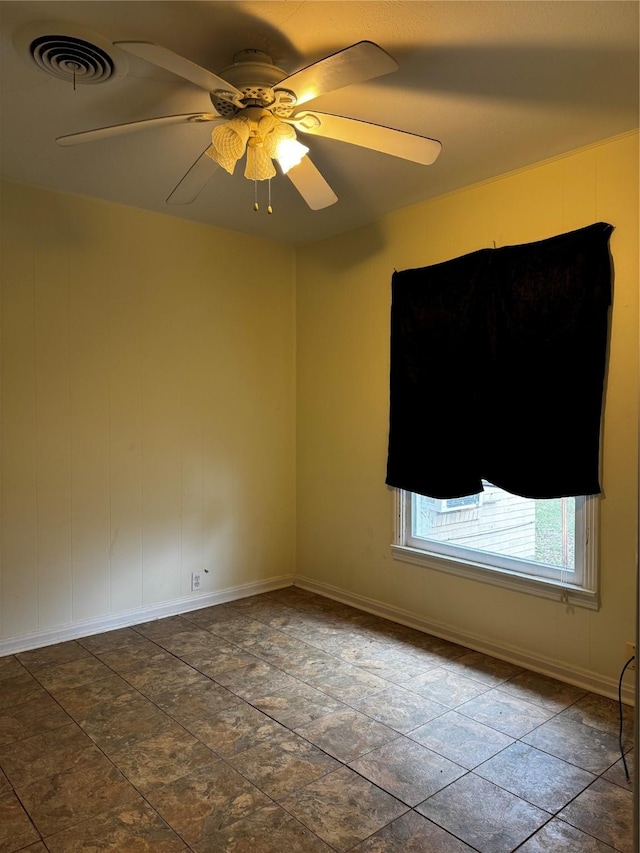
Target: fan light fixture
(264,137)
(256,106)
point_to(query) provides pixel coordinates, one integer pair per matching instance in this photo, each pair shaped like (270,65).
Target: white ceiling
(500,84)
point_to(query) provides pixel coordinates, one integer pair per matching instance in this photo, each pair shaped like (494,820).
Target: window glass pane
(498,522)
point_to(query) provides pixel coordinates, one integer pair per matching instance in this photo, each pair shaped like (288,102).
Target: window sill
(528,584)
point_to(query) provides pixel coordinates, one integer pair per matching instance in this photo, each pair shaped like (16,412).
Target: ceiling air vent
(72,59)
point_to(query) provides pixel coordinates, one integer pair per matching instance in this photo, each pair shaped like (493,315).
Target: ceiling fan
(256,112)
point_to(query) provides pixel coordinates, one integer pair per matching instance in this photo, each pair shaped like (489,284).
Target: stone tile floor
(287,722)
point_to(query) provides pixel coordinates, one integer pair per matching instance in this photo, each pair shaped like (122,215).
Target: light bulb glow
(290,153)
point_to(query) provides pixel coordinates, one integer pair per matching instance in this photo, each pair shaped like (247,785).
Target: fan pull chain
(256,206)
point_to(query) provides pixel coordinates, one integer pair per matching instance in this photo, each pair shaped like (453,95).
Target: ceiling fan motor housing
(255,75)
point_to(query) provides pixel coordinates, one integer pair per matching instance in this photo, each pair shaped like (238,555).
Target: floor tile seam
(345,850)
(550,817)
(562,711)
(86,684)
(275,801)
(249,701)
(104,755)
(626,786)
(492,685)
(628,736)
(296,733)
(597,728)
(176,657)
(590,834)
(295,819)
(553,712)
(367,667)
(255,699)
(112,811)
(533,834)
(72,720)
(52,697)
(49,666)
(44,837)
(170,721)
(25,668)
(89,747)
(227,641)
(386,686)
(415,806)
(278,802)
(287,673)
(366,695)
(309,643)
(459,710)
(407,686)
(142,794)
(357,758)
(514,741)
(445,829)
(524,799)
(572,800)
(350,704)
(26,811)
(551,814)
(468,769)
(35,667)
(311,646)
(496,688)
(566,760)
(123,677)
(393,820)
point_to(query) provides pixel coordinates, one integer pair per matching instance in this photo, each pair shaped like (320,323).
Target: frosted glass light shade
(259,165)
(264,139)
(228,143)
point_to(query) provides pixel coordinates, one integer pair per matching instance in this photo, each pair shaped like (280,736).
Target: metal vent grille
(71,59)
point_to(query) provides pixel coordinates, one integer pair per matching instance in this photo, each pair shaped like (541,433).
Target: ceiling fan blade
(194,181)
(398,143)
(178,65)
(311,185)
(132,127)
(362,61)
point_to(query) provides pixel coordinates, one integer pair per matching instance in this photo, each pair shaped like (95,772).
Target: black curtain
(497,369)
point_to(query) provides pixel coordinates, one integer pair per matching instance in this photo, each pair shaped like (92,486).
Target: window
(544,547)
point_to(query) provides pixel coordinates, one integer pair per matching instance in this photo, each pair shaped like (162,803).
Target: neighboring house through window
(544,547)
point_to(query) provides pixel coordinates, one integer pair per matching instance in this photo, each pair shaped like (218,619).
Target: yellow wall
(345,512)
(149,395)
(148,425)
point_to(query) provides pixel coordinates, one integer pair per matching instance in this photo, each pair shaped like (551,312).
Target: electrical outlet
(196,581)
(631,651)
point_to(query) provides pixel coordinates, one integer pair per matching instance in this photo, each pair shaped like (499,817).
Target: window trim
(584,594)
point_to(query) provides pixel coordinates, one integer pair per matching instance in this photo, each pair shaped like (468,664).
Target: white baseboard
(546,666)
(49,636)
(538,663)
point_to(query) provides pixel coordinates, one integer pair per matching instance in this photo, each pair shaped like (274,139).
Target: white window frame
(503,571)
